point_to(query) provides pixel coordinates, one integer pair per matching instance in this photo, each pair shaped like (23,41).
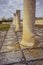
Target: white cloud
(10,6)
(39,8)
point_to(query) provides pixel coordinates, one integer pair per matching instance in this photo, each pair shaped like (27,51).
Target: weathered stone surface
(18,64)
(32,54)
(2,37)
(39,30)
(8,42)
(10,32)
(11,38)
(10,54)
(2,33)
(10,57)
(11,47)
(40,62)
(39,33)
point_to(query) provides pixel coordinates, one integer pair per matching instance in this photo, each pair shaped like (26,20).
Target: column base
(24,44)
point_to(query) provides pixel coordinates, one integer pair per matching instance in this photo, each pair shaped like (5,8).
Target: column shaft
(14,20)
(17,20)
(28,23)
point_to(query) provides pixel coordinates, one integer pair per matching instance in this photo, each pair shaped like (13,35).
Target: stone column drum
(17,20)
(28,23)
(14,20)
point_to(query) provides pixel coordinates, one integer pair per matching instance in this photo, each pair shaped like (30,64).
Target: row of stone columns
(28,23)
(16,20)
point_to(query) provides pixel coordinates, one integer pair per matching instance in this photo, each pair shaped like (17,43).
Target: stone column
(17,20)
(28,23)
(14,20)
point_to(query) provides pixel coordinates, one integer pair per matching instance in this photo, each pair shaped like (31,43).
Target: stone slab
(7,42)
(1,40)
(10,57)
(11,33)
(9,38)
(18,64)
(33,54)
(12,47)
(38,62)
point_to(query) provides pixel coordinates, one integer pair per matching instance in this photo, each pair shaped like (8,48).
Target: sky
(8,7)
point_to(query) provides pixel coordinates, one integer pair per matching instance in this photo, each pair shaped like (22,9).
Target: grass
(4,27)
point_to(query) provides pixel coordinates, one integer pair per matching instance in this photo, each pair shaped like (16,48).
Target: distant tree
(0,22)
(3,19)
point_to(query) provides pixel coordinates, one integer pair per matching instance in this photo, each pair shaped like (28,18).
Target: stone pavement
(12,54)
(39,34)
(2,37)
(22,57)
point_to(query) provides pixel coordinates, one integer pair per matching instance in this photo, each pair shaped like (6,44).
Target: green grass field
(4,27)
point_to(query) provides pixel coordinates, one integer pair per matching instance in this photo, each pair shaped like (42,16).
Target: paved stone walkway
(39,34)
(12,54)
(2,37)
